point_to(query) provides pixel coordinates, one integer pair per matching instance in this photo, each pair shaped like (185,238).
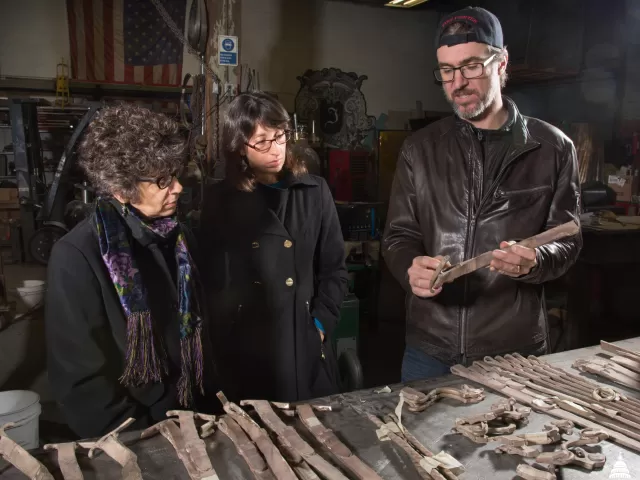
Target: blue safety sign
(227,50)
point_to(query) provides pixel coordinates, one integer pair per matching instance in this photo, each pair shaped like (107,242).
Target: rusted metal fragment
(449,274)
(531,473)
(288,436)
(329,439)
(621,435)
(67,460)
(183,436)
(390,431)
(525,451)
(20,458)
(111,445)
(277,463)
(419,401)
(246,448)
(589,461)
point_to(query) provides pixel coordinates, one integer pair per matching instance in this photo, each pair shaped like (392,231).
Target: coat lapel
(250,214)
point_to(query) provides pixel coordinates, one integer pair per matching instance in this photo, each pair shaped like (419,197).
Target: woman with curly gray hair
(125,327)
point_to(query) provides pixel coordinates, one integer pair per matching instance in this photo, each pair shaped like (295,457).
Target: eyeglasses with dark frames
(165,181)
(264,146)
(468,71)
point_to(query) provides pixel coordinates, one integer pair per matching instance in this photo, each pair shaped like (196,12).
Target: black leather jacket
(437,207)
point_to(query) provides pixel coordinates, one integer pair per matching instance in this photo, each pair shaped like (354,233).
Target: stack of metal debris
(272,449)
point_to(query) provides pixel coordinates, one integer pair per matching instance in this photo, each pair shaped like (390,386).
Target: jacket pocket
(315,330)
(521,198)
(505,192)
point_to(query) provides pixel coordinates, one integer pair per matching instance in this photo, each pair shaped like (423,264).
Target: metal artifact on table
(542,378)
(260,437)
(111,445)
(292,441)
(610,371)
(390,428)
(528,393)
(182,433)
(20,458)
(67,460)
(257,464)
(501,422)
(328,438)
(419,401)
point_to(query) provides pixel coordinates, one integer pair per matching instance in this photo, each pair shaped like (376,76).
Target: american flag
(125,41)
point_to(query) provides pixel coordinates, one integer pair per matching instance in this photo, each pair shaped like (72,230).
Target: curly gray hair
(125,143)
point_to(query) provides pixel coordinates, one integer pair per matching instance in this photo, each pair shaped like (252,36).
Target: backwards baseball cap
(485,26)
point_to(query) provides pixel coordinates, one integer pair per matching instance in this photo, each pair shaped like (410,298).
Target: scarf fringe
(145,360)
(192,367)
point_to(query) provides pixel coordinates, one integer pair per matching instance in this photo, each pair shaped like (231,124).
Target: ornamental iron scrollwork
(334,100)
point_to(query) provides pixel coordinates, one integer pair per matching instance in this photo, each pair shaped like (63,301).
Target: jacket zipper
(500,193)
(469,241)
(502,171)
(462,323)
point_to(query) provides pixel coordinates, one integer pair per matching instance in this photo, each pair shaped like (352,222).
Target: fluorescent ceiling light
(404,3)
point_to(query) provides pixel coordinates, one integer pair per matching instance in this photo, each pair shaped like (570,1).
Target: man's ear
(504,62)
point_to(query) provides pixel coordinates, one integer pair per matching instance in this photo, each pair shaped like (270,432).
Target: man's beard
(481,108)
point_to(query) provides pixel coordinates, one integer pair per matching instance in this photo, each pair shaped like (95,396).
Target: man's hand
(513,260)
(420,274)
(321,335)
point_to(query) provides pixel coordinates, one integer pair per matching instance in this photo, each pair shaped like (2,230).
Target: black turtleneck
(494,146)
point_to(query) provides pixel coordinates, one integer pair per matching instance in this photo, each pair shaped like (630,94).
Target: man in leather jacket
(475,182)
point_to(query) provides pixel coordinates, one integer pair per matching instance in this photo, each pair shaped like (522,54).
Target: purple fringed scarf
(146,358)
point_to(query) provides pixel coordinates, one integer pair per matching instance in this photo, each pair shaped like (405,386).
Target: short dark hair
(127,142)
(246,112)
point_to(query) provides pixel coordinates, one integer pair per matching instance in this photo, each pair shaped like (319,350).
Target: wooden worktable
(157,459)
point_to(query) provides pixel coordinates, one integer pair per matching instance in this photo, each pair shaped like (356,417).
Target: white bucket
(31,293)
(22,408)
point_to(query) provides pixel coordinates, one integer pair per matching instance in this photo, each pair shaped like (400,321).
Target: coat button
(288,244)
(255,245)
(289,282)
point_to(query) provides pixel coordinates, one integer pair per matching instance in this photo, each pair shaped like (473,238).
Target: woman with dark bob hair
(125,328)
(275,261)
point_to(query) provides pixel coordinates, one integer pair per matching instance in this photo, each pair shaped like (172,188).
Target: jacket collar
(520,133)
(304,179)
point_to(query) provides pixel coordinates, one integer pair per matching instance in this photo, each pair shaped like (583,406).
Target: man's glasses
(468,71)
(264,146)
(163,182)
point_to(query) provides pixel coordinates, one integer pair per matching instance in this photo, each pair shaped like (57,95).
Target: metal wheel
(42,242)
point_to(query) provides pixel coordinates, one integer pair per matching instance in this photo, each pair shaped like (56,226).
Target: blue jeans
(417,365)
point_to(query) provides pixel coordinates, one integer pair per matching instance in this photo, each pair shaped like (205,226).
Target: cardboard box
(8,196)
(625,186)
